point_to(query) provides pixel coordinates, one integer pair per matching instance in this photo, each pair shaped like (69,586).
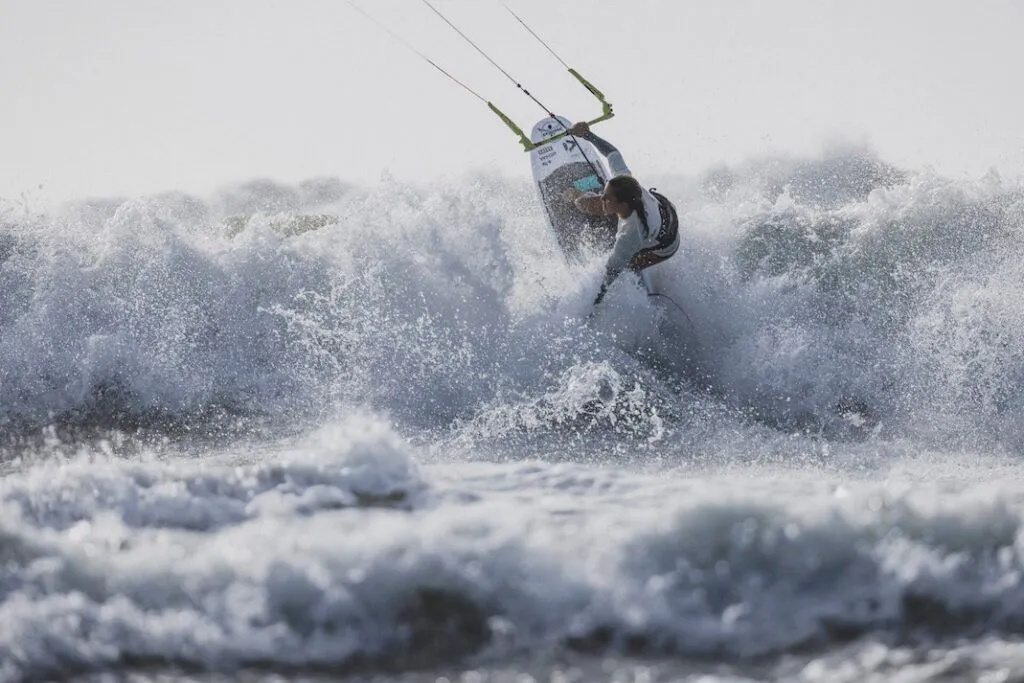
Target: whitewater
(369,432)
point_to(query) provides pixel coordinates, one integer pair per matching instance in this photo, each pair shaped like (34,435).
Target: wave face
(340,429)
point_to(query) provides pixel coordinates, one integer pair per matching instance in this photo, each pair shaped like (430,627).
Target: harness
(669,219)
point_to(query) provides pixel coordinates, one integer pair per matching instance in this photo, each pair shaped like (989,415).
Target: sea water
(373,432)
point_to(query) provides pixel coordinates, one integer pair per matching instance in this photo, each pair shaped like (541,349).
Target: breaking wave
(836,296)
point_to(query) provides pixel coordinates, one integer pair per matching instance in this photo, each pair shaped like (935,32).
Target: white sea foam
(452,462)
(821,292)
(345,553)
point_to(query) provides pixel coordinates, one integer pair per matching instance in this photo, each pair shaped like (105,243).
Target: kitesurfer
(648,230)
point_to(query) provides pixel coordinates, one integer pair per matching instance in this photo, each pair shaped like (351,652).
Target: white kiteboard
(557,166)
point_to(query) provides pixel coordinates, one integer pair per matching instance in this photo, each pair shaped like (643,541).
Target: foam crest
(356,463)
(835,296)
(150,318)
(587,399)
(820,298)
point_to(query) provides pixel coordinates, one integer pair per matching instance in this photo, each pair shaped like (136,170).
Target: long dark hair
(628,191)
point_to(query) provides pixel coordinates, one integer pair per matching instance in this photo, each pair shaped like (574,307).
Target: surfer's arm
(627,243)
(587,202)
(616,164)
(590,204)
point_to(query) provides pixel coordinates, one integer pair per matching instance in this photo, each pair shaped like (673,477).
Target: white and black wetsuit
(639,244)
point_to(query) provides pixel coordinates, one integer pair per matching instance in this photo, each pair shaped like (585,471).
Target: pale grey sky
(134,96)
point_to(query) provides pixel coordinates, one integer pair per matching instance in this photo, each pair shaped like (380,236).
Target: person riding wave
(648,230)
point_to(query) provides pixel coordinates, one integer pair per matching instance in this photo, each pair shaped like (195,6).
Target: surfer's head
(622,196)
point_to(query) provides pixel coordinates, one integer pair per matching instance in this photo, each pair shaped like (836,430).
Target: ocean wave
(836,296)
(346,556)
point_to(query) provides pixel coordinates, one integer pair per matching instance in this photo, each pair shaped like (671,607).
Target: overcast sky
(134,96)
